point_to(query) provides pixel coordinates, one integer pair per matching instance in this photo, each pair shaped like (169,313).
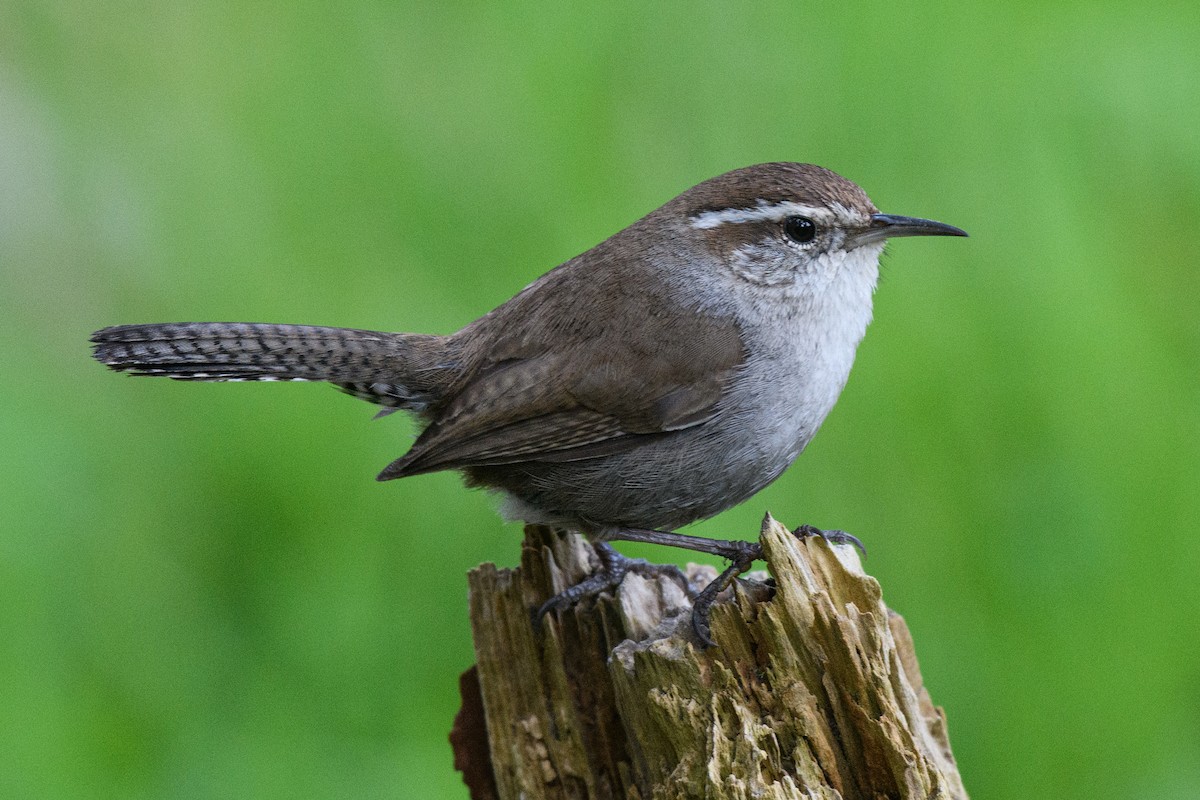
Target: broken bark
(813,689)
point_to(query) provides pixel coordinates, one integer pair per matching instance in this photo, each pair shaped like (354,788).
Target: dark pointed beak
(888,226)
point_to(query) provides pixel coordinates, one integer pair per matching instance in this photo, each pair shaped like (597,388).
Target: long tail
(397,370)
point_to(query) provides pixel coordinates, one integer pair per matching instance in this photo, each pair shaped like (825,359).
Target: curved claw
(702,605)
(613,569)
(701,611)
(833,537)
(609,577)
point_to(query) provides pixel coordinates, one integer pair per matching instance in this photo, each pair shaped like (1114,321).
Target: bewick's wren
(661,377)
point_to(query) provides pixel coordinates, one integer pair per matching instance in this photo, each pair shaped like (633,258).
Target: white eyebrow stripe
(765,212)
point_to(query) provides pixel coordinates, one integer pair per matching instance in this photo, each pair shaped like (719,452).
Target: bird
(663,376)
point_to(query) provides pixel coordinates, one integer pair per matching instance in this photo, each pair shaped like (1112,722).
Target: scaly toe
(833,537)
(613,569)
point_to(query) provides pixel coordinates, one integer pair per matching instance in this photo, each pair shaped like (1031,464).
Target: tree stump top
(813,689)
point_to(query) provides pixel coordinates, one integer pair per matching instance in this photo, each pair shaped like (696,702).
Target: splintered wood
(813,689)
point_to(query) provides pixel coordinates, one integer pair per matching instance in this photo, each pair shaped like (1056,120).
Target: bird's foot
(741,555)
(833,537)
(613,569)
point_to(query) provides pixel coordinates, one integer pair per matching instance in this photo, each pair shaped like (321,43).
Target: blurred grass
(203,593)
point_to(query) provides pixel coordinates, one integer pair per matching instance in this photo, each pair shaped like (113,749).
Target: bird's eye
(800,230)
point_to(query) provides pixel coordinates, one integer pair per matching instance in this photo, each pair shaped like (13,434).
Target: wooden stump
(813,689)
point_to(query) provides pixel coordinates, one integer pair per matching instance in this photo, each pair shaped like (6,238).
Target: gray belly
(673,479)
(765,422)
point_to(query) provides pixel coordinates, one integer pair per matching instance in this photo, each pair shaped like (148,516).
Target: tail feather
(376,366)
(392,396)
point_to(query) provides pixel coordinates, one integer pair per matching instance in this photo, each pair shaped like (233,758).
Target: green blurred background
(203,591)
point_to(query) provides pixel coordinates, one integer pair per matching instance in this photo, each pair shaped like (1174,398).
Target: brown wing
(601,389)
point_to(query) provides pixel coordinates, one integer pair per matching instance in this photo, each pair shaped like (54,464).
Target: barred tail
(398,370)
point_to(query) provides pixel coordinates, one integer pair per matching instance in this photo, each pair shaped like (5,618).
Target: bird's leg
(613,568)
(740,554)
(725,548)
(702,605)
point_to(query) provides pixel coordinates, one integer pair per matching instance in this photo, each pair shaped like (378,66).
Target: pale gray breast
(800,339)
